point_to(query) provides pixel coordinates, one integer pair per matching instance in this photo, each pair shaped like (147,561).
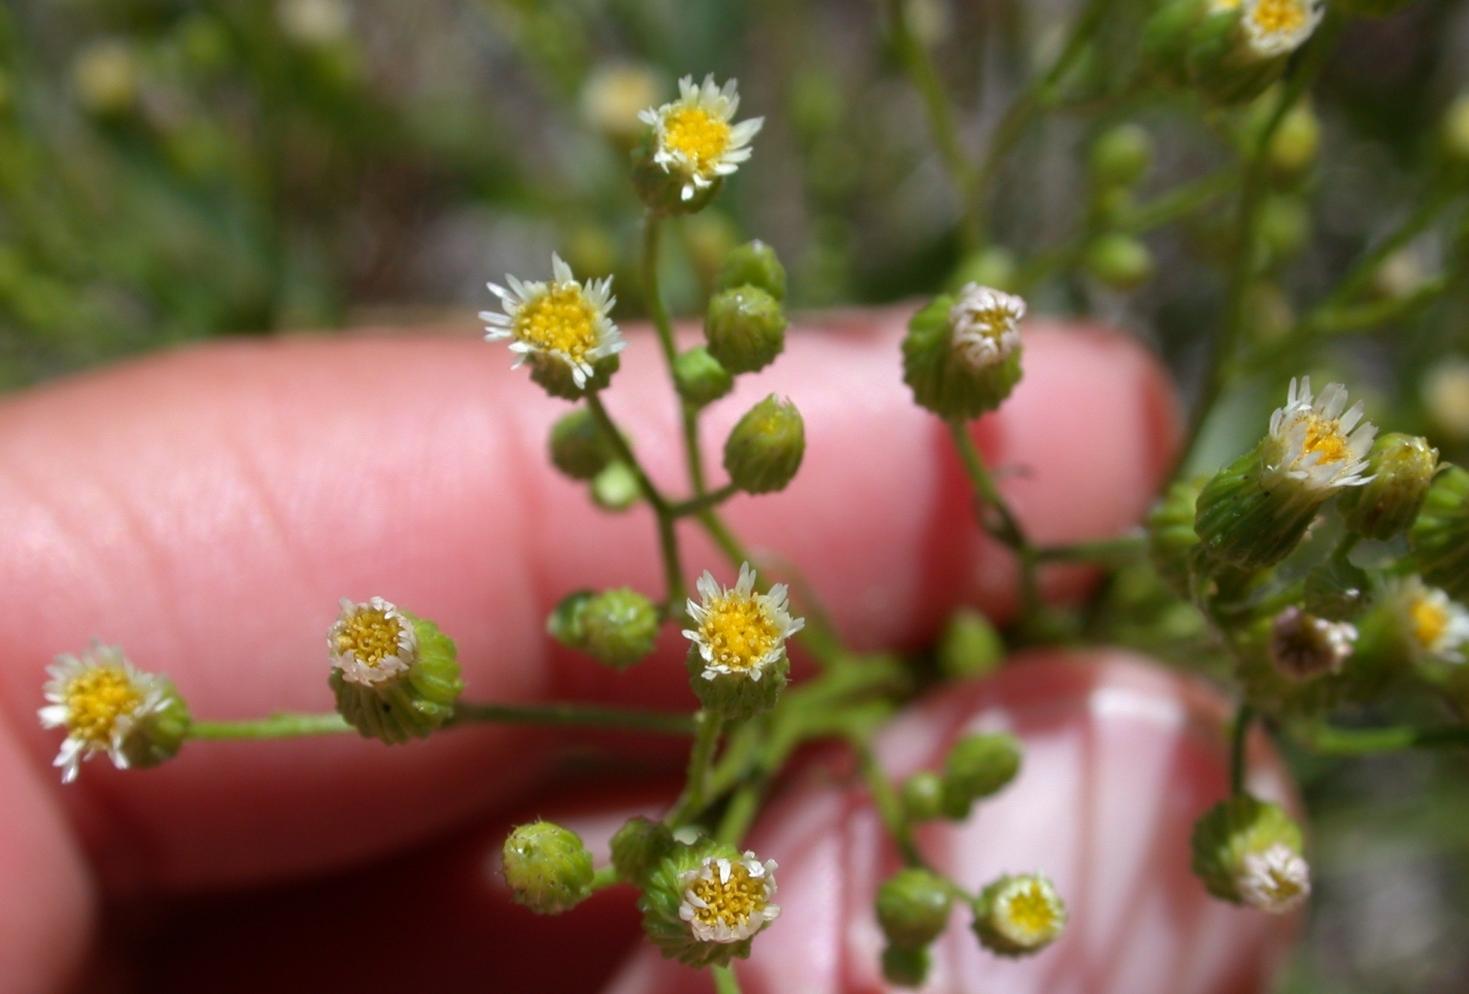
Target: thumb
(1120,759)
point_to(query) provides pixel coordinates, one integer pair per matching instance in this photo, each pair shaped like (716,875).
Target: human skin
(206,509)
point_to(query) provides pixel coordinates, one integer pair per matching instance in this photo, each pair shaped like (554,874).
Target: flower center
(560,320)
(1324,437)
(1282,887)
(1031,910)
(739,631)
(1430,621)
(991,322)
(1279,16)
(731,902)
(369,635)
(96,699)
(697,135)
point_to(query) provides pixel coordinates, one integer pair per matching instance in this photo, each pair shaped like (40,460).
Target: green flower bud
(1171,536)
(993,266)
(764,449)
(905,967)
(746,328)
(978,766)
(1019,915)
(1120,261)
(1284,227)
(1440,536)
(619,627)
(923,796)
(1121,155)
(1248,851)
(913,907)
(754,264)
(734,696)
(105,76)
(1241,523)
(395,676)
(704,903)
(579,447)
(661,191)
(1454,132)
(961,356)
(638,846)
(970,646)
(616,487)
(1295,144)
(565,623)
(548,868)
(699,378)
(555,377)
(1401,468)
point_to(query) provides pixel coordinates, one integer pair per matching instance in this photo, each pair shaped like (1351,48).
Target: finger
(206,510)
(1120,759)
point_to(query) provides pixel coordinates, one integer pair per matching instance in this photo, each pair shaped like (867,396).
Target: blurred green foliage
(173,170)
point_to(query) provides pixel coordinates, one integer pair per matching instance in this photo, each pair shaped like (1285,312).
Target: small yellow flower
(371,643)
(738,631)
(1028,911)
(562,320)
(726,900)
(985,324)
(1316,442)
(1274,880)
(1438,626)
(1279,27)
(99,698)
(695,134)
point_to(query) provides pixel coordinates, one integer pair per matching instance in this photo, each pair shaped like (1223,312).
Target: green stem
(574,716)
(1239,737)
(889,805)
(652,228)
(604,878)
(1008,529)
(725,981)
(276,726)
(709,500)
(1367,741)
(1117,551)
(1244,266)
(691,802)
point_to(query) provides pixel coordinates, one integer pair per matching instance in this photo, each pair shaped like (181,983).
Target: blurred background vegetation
(172,171)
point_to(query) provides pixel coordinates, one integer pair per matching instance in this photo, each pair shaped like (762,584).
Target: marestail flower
(703,903)
(1437,627)
(696,138)
(985,325)
(1316,443)
(1276,879)
(1019,915)
(1303,646)
(739,632)
(108,705)
(559,322)
(372,642)
(395,676)
(1279,27)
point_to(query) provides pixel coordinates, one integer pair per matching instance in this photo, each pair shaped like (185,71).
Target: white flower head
(1027,911)
(1279,27)
(1303,645)
(1274,880)
(695,137)
(371,643)
(985,324)
(739,631)
(728,900)
(561,320)
(1317,442)
(99,697)
(1438,626)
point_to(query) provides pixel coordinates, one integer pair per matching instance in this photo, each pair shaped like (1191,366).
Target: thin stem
(691,802)
(1117,551)
(711,499)
(604,878)
(1008,528)
(889,805)
(1243,268)
(575,716)
(1330,741)
(276,726)
(652,228)
(1239,736)
(725,981)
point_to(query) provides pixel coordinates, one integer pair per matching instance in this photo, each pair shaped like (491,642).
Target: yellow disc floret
(739,631)
(1430,621)
(1031,911)
(1324,438)
(369,634)
(697,135)
(560,320)
(732,902)
(1279,16)
(95,699)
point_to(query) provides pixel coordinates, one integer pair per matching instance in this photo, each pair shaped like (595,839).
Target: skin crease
(205,509)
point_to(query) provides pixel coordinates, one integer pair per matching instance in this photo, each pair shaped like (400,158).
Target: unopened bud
(745,328)
(913,907)
(765,447)
(1401,469)
(754,264)
(548,868)
(1440,536)
(699,377)
(977,767)
(619,627)
(579,447)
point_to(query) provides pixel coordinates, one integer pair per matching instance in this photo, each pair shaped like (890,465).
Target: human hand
(206,510)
